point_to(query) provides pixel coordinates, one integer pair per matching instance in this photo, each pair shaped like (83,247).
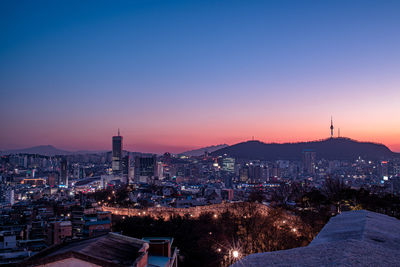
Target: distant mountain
(201,151)
(332,148)
(45,150)
(82,152)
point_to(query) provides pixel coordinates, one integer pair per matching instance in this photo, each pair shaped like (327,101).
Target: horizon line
(200,147)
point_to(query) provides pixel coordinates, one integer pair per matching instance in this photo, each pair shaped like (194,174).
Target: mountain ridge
(45,150)
(340,148)
(201,151)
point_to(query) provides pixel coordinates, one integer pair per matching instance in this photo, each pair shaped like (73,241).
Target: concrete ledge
(355,238)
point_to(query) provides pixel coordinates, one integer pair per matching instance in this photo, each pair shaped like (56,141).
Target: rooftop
(154,261)
(148,239)
(107,250)
(354,238)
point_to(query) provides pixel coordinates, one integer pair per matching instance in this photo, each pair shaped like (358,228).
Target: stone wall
(167,212)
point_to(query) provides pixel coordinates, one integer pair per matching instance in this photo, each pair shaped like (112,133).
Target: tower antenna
(331,127)
(118,131)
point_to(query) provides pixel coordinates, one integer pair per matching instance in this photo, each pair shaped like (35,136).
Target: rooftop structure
(161,252)
(107,250)
(354,238)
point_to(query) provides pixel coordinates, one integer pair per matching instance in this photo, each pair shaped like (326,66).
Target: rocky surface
(355,238)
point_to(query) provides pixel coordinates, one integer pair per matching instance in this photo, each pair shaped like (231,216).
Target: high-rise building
(228,165)
(244,174)
(7,195)
(309,158)
(117,154)
(63,173)
(53,179)
(126,165)
(145,168)
(276,171)
(160,170)
(265,173)
(383,170)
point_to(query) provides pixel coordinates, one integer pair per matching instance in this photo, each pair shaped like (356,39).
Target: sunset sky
(177,75)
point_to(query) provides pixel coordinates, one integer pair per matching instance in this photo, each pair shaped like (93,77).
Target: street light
(235,253)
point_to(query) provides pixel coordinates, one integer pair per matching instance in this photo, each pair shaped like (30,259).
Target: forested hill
(332,148)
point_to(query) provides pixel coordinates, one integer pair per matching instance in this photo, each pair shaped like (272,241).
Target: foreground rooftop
(354,238)
(111,249)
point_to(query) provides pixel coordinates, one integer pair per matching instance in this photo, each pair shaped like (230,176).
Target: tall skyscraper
(63,173)
(117,154)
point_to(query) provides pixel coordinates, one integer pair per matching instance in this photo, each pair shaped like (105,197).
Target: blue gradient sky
(175,75)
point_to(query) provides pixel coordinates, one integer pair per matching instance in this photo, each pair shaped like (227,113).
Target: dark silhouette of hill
(201,151)
(45,150)
(332,148)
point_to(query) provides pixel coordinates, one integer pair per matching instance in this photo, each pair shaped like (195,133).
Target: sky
(177,75)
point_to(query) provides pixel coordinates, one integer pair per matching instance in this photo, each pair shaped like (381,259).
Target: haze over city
(179,75)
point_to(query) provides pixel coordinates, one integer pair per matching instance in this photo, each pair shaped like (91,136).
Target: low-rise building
(106,250)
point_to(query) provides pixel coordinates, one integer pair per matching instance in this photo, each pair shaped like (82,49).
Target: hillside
(45,150)
(201,151)
(332,148)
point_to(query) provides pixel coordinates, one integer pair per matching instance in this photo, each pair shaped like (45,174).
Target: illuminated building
(228,165)
(145,168)
(384,170)
(117,154)
(63,182)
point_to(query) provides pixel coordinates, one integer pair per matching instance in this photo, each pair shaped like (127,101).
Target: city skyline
(180,76)
(117,145)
